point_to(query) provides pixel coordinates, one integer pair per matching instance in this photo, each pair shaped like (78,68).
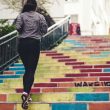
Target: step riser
(9,76)
(66,89)
(106,78)
(57,106)
(75,84)
(58,97)
(1,81)
(87,74)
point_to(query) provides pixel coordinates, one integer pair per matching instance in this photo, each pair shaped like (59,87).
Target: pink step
(45,85)
(90,70)
(104,46)
(8,72)
(82,66)
(108,62)
(3,97)
(48,51)
(62,79)
(33,90)
(99,74)
(58,89)
(86,74)
(99,40)
(104,79)
(74,63)
(59,57)
(91,52)
(66,60)
(74,79)
(76,75)
(54,54)
(101,66)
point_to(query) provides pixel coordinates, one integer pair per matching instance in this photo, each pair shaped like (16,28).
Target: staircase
(73,76)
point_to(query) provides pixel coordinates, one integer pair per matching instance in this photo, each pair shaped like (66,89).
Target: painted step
(65,89)
(11,83)
(1,81)
(60,57)
(58,97)
(90,70)
(107,70)
(86,74)
(13,72)
(74,84)
(82,66)
(19,72)
(59,106)
(17,106)
(81,106)
(16,68)
(74,63)
(54,54)
(100,78)
(8,72)
(9,76)
(108,62)
(74,79)
(18,64)
(48,52)
(95,70)
(66,60)
(102,66)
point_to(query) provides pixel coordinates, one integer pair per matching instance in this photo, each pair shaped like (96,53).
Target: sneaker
(29,99)
(24,98)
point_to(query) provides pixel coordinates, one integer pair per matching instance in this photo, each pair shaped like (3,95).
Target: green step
(59,97)
(43,97)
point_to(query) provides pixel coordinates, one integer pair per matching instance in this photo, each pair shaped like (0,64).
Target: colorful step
(69,106)
(92,97)
(8,72)
(66,60)
(58,97)
(66,89)
(9,76)
(86,74)
(16,68)
(74,79)
(58,106)
(106,70)
(74,63)
(1,81)
(74,84)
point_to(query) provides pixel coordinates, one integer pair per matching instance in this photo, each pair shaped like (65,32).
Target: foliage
(17,5)
(5,27)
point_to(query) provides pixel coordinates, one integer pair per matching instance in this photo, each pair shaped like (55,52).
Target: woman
(31,27)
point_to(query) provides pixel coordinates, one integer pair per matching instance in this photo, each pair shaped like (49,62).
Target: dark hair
(29,6)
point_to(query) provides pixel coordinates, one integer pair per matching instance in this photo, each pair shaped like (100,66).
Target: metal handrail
(8,43)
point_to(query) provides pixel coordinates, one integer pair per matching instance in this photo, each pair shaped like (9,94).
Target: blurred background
(93,16)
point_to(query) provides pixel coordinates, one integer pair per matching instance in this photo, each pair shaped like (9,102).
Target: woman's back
(32,23)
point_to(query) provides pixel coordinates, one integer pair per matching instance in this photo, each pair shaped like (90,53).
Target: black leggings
(29,51)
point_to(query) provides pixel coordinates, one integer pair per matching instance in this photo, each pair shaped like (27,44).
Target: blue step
(98,56)
(106,70)
(20,72)
(16,68)
(76,43)
(18,64)
(9,76)
(69,106)
(92,97)
(1,81)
